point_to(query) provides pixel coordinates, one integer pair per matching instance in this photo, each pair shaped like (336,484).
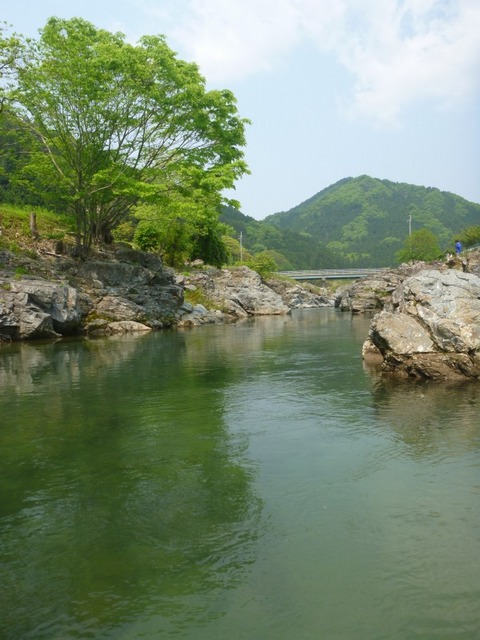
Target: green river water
(250,481)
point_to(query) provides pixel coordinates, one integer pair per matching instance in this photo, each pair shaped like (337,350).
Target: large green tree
(11,46)
(182,228)
(117,124)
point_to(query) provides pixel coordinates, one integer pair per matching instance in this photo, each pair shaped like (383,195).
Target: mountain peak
(366,220)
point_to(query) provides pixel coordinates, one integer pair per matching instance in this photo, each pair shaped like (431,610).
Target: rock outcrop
(240,292)
(432,329)
(373,293)
(237,292)
(301,296)
(124,290)
(135,287)
(117,292)
(34,308)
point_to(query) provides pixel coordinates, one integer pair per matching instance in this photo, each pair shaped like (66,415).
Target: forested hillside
(365,221)
(289,249)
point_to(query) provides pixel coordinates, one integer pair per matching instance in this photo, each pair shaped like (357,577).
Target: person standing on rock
(458,247)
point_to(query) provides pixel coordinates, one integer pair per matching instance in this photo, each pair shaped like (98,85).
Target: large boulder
(373,293)
(433,328)
(239,291)
(301,296)
(36,308)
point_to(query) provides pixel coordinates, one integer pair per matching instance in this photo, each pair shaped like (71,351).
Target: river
(243,482)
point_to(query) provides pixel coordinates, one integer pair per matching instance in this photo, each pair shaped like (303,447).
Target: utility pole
(241,246)
(410,234)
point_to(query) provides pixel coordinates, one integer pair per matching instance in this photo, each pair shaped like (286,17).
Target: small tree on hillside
(470,236)
(420,245)
(263,264)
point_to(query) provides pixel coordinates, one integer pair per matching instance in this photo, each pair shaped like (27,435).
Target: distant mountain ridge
(289,249)
(364,221)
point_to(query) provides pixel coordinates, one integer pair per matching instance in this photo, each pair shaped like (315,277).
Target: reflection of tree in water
(126,495)
(430,416)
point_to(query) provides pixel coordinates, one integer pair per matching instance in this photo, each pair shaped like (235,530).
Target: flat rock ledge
(431,330)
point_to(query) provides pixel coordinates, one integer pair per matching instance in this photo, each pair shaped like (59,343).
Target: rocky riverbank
(427,324)
(122,290)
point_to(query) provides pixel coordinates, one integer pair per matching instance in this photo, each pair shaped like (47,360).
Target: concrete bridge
(331,274)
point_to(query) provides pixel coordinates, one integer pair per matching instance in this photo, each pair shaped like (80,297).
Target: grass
(199,297)
(15,233)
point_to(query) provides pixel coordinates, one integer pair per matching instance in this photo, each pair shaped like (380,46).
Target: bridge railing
(330,274)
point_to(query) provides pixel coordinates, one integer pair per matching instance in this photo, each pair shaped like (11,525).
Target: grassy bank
(15,234)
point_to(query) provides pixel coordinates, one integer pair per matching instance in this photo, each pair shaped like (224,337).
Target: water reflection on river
(247,481)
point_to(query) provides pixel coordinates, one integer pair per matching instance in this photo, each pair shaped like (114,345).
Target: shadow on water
(429,417)
(122,491)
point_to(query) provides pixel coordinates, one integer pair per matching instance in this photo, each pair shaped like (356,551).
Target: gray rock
(447,303)
(433,330)
(200,309)
(239,291)
(125,285)
(373,293)
(139,289)
(35,308)
(298,296)
(118,308)
(400,333)
(196,315)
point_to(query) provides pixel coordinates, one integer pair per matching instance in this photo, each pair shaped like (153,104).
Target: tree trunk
(33,226)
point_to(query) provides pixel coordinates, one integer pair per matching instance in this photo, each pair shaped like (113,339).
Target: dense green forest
(365,221)
(290,249)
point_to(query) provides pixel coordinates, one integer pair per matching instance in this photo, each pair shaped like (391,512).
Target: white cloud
(399,52)
(231,39)
(413,52)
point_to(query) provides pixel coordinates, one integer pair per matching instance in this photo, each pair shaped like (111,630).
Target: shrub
(263,264)
(148,238)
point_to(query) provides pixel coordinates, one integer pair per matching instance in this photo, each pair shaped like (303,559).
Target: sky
(333,88)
